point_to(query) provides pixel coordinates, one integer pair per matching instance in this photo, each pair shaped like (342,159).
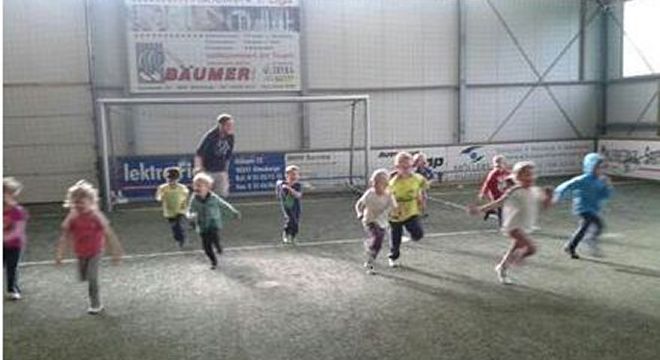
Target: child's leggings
(374,241)
(588,219)
(88,269)
(210,240)
(176,223)
(413,226)
(10,257)
(291,221)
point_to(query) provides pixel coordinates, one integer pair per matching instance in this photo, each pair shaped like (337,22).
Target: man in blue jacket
(588,190)
(215,151)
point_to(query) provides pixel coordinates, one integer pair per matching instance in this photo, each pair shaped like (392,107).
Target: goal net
(328,137)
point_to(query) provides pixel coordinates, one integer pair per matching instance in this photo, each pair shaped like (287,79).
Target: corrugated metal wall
(529,73)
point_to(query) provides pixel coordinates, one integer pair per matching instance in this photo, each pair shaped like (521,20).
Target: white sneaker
(405,239)
(369,266)
(394,263)
(501,275)
(285,238)
(14,296)
(95,310)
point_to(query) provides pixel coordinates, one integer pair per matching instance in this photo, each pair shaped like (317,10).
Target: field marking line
(255,247)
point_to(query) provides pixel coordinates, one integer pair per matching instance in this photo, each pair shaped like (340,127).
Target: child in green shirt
(209,212)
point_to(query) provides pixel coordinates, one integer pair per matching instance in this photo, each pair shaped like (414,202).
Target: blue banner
(137,177)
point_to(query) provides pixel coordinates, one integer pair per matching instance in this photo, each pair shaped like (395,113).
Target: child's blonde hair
(12,186)
(420,156)
(203,177)
(83,189)
(378,174)
(498,159)
(402,155)
(291,168)
(519,166)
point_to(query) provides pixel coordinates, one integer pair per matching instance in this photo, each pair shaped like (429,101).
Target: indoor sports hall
(331,179)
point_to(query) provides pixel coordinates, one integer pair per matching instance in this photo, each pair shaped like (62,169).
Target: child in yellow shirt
(407,187)
(174,196)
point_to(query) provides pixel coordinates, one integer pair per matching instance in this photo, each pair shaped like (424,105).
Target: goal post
(333,141)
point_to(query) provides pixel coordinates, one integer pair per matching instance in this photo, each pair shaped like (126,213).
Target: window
(641,42)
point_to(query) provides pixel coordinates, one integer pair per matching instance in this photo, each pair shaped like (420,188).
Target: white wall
(48,132)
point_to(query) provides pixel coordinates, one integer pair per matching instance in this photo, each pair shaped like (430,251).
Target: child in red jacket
(495,185)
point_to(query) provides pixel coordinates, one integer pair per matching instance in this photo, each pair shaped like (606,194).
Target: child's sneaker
(394,263)
(571,252)
(95,310)
(369,266)
(501,275)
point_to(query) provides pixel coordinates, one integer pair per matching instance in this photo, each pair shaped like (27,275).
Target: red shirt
(14,236)
(88,234)
(494,186)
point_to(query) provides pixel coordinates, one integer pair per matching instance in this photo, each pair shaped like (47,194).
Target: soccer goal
(328,137)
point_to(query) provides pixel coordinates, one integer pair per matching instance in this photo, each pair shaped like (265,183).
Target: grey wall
(405,54)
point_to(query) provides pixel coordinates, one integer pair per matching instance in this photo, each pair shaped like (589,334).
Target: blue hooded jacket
(588,190)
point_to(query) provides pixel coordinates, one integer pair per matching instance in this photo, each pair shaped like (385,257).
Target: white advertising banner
(467,163)
(183,46)
(472,163)
(633,158)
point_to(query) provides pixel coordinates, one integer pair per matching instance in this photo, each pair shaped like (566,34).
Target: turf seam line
(253,247)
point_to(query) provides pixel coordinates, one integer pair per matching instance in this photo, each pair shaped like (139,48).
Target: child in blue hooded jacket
(589,191)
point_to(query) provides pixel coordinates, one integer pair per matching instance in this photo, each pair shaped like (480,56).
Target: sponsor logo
(473,153)
(202,73)
(150,60)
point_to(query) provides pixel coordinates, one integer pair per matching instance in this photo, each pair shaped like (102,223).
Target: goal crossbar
(104,103)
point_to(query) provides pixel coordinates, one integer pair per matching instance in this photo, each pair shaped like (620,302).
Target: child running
(14,221)
(88,229)
(289,193)
(407,188)
(373,209)
(422,167)
(209,212)
(494,185)
(589,191)
(174,197)
(520,205)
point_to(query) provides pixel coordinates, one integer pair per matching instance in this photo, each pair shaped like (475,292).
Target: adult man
(214,153)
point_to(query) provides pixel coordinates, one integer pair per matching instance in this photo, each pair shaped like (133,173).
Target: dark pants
(88,269)
(10,259)
(374,241)
(291,221)
(210,240)
(588,219)
(176,223)
(412,225)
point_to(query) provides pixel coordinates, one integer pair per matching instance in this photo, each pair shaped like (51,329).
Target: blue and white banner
(138,177)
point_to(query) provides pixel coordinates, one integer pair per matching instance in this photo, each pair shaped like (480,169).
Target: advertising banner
(632,158)
(472,162)
(137,177)
(183,46)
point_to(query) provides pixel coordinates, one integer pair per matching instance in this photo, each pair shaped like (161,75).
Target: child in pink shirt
(88,229)
(14,220)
